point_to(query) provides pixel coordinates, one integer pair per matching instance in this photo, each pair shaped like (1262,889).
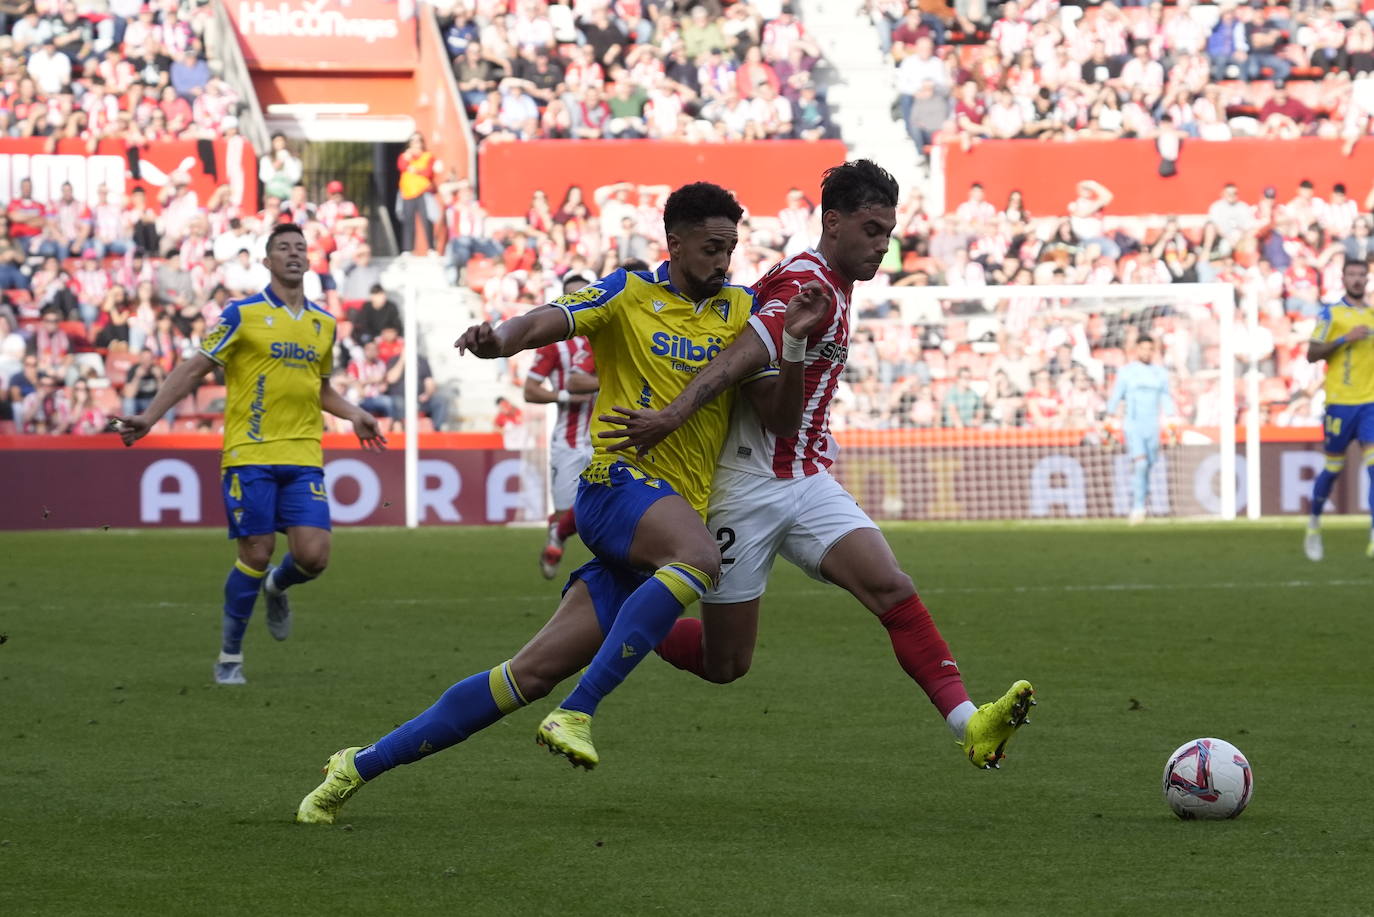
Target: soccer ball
(1208,778)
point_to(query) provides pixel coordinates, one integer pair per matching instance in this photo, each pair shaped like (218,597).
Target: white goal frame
(920,305)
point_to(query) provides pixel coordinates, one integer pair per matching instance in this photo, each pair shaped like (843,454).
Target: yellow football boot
(569,733)
(989,730)
(341,781)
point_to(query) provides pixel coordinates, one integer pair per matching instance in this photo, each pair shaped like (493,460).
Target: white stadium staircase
(863,89)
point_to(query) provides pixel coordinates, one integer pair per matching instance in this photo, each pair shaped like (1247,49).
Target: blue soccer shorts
(261,499)
(608,512)
(608,585)
(1142,442)
(1345,422)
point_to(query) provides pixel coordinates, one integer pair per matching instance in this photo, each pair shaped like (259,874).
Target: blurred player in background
(642,517)
(1143,389)
(277,350)
(564,373)
(1342,339)
(774,495)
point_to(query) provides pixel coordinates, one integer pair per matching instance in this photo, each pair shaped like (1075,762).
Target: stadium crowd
(1038,69)
(96,70)
(1013,361)
(101,301)
(705,72)
(101,331)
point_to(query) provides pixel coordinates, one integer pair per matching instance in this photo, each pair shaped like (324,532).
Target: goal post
(989,402)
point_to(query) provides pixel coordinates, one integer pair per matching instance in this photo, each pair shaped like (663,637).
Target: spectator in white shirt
(51,70)
(244,276)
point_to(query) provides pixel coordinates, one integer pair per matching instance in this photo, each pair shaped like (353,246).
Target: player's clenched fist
(806,308)
(480,341)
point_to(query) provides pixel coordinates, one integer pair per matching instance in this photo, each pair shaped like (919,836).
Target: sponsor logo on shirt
(686,354)
(257,409)
(290,350)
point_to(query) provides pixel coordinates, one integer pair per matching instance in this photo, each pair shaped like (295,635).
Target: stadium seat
(76,336)
(8,427)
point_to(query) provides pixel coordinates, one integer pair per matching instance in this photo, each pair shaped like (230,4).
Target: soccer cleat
(229,673)
(1369,549)
(548,560)
(1137,515)
(278,607)
(341,781)
(989,730)
(1312,545)
(569,733)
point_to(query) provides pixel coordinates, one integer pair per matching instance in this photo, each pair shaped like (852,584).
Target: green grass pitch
(822,783)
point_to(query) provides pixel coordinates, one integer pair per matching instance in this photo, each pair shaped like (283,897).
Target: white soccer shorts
(755,518)
(565,468)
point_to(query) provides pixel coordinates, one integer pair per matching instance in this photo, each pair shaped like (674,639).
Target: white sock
(269,583)
(230,657)
(958,718)
(1314,522)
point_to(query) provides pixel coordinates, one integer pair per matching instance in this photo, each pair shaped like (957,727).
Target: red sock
(923,653)
(567,526)
(682,647)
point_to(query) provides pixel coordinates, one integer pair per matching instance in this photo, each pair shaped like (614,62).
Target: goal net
(991,402)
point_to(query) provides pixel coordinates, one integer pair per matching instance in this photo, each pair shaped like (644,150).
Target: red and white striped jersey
(750,447)
(556,362)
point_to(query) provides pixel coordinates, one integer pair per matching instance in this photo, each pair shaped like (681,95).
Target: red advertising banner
(325,34)
(759,173)
(1048,173)
(1054,481)
(100,483)
(117,487)
(207,164)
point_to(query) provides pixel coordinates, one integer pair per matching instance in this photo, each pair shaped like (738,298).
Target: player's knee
(704,558)
(536,678)
(257,556)
(313,561)
(893,587)
(724,671)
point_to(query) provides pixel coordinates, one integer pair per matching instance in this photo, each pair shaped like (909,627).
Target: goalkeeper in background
(1143,388)
(1342,340)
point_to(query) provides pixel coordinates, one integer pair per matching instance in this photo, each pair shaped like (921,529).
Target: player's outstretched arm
(535,328)
(177,386)
(364,424)
(641,430)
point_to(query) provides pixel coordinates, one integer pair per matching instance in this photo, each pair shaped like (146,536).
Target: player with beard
(774,494)
(641,516)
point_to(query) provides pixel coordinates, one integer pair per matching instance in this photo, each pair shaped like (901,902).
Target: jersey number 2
(725,537)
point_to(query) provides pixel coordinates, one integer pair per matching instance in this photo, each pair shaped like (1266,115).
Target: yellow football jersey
(1350,370)
(274,362)
(649,340)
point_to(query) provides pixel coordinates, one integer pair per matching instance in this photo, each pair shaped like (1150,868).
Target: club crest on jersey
(722,308)
(268,320)
(316,325)
(659,305)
